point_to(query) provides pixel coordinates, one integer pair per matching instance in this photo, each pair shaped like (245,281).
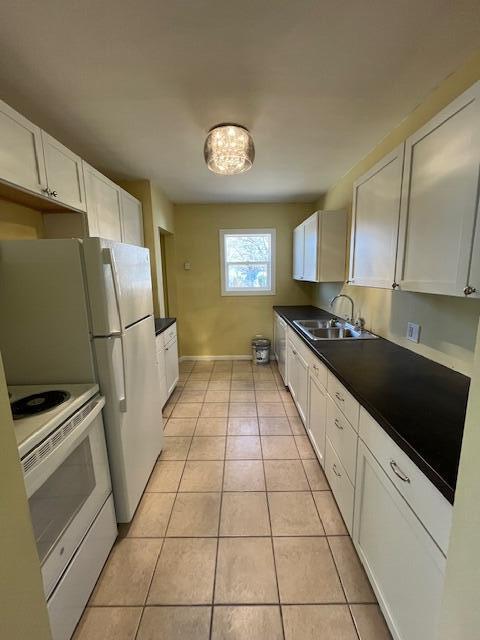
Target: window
(247,261)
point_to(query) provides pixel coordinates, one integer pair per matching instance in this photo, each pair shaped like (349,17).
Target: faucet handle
(360,323)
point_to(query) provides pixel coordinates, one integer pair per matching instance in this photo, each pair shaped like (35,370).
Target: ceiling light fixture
(229,149)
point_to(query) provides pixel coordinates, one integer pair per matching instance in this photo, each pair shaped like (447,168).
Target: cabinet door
(162,369)
(171,365)
(439,200)
(132,220)
(298,251)
(404,565)
(311,248)
(301,398)
(275,335)
(103,205)
(21,160)
(375,219)
(64,173)
(317,417)
(292,369)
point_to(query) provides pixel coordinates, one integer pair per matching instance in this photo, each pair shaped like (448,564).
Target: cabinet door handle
(315,367)
(294,352)
(46,190)
(337,473)
(54,194)
(337,424)
(339,396)
(469,290)
(398,472)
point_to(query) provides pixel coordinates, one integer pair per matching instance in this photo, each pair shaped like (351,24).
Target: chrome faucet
(343,295)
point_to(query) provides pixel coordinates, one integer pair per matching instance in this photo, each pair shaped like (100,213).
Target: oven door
(67,480)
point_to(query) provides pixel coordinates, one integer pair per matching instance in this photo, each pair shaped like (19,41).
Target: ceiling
(134,86)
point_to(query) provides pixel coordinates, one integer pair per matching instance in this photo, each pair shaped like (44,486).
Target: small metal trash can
(260,350)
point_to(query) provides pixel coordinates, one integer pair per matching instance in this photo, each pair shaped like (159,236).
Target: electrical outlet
(413,331)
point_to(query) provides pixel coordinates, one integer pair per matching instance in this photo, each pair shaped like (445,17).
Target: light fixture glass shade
(229,149)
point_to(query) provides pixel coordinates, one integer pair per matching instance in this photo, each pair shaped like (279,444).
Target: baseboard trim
(209,358)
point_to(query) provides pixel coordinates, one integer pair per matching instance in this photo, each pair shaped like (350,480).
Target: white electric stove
(61,440)
(32,428)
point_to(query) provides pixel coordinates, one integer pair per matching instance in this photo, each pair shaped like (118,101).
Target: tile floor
(237,535)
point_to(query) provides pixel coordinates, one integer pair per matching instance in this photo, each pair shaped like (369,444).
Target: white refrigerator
(79,311)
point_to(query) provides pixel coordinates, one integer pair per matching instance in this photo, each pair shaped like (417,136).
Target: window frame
(224,264)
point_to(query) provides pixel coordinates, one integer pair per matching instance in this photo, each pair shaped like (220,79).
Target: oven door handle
(48,464)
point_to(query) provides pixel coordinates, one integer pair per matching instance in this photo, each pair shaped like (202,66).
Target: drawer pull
(337,424)
(337,473)
(398,472)
(339,396)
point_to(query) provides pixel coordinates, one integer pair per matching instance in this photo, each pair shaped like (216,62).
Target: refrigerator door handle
(122,401)
(109,258)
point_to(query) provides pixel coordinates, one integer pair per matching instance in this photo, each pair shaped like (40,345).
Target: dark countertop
(419,403)
(161,324)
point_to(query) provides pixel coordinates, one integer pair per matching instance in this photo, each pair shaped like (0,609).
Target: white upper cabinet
(298,252)
(64,174)
(440,202)
(310,251)
(319,247)
(103,205)
(375,219)
(132,219)
(21,157)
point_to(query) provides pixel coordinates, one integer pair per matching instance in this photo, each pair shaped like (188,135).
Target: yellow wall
(157,219)
(23,613)
(17,221)
(212,324)
(448,324)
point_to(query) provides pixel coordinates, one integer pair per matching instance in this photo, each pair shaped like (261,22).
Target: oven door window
(56,503)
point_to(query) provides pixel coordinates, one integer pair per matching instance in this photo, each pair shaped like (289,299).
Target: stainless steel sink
(312,324)
(321,330)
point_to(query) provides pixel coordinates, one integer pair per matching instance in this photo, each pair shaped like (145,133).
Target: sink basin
(312,324)
(320,330)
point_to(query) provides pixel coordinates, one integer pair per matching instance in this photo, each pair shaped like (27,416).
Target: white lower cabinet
(342,488)
(403,563)
(317,417)
(297,371)
(161,368)
(167,362)
(171,365)
(398,520)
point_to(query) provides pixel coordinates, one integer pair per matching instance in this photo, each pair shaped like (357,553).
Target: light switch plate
(413,332)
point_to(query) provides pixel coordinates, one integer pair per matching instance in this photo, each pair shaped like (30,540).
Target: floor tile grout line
(218,542)
(233,604)
(271,542)
(163,540)
(343,588)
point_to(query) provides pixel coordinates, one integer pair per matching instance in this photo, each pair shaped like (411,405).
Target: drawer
(343,438)
(318,370)
(341,486)
(299,345)
(170,333)
(428,504)
(344,400)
